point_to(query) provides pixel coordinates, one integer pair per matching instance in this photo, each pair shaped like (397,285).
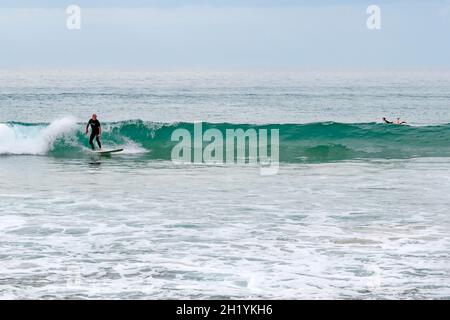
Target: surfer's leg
(92,139)
(99,143)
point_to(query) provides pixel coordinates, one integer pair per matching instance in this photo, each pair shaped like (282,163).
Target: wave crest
(32,139)
(312,142)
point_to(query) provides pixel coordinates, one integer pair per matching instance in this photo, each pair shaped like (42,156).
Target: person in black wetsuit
(96,131)
(387,121)
(398,121)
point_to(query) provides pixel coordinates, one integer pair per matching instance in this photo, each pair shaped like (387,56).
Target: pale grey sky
(224,34)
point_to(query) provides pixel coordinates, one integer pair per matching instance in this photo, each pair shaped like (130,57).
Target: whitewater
(357,209)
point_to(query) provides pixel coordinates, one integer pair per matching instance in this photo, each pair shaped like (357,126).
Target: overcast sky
(224,34)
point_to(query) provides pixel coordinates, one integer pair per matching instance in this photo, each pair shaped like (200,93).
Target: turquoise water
(299,143)
(357,209)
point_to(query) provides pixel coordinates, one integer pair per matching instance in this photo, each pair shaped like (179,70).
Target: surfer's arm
(87,126)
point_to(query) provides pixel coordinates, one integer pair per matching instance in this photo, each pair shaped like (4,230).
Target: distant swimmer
(96,131)
(398,121)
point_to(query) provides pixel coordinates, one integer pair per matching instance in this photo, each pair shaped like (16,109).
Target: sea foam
(33,140)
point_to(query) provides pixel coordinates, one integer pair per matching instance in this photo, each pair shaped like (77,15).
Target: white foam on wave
(133,148)
(33,140)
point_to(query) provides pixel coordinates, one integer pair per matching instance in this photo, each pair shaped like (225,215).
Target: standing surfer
(96,131)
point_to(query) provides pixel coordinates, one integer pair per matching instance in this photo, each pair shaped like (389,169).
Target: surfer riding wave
(96,131)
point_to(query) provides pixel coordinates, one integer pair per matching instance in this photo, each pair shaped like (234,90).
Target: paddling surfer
(398,121)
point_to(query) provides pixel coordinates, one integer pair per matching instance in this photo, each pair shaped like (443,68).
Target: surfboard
(107,151)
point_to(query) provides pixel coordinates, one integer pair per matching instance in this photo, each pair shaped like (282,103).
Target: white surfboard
(107,151)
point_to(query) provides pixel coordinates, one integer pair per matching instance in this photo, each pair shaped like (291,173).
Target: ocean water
(357,209)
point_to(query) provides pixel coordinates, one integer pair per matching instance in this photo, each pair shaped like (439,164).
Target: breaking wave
(312,142)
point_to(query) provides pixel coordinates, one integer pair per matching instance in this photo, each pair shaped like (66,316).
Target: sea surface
(357,209)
